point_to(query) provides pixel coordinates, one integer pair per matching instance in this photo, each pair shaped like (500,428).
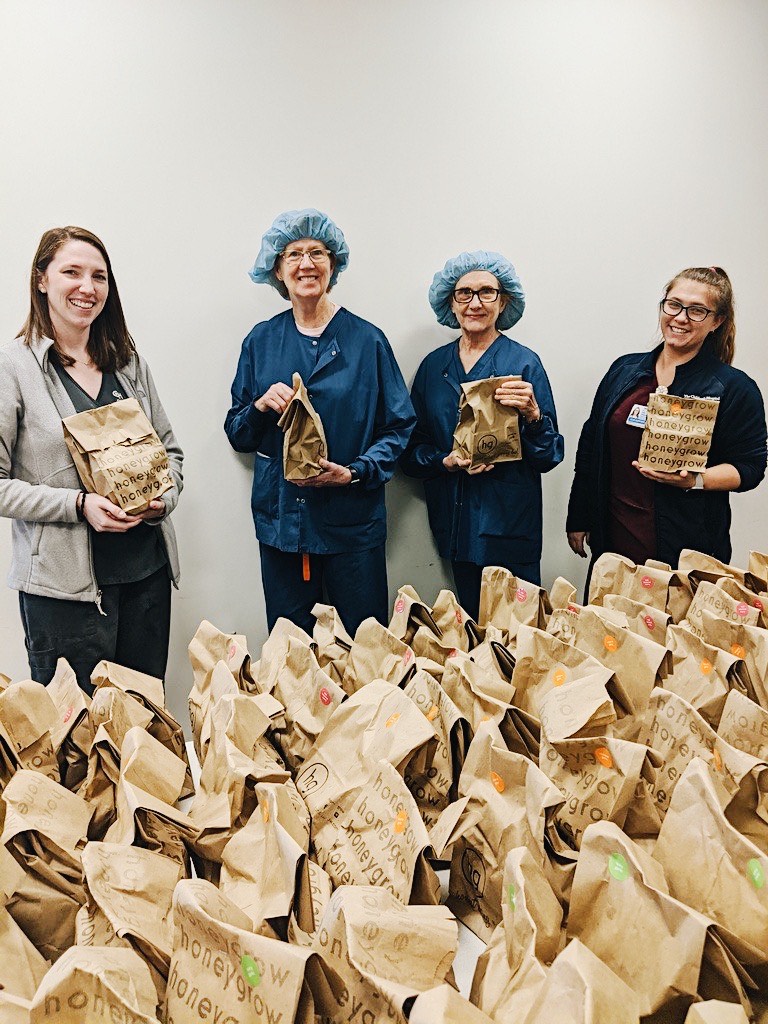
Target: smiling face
(305,279)
(76,284)
(682,336)
(476,317)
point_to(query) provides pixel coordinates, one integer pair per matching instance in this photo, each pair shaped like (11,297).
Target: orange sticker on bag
(559,676)
(392,719)
(675,408)
(433,712)
(705,666)
(498,783)
(610,643)
(717,761)
(603,755)
(401,821)
(737,651)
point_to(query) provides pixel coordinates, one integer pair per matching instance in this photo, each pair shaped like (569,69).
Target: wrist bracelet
(80,505)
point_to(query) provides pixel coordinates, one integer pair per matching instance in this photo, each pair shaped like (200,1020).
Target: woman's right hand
(453,463)
(576,539)
(276,398)
(105,517)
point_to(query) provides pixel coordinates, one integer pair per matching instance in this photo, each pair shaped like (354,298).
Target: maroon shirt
(631,520)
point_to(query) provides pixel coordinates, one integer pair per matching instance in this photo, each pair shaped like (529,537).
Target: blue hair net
(441,292)
(290,227)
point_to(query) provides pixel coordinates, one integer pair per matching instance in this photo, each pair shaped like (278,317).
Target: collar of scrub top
(330,340)
(453,353)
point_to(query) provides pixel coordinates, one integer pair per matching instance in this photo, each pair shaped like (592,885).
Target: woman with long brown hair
(94,582)
(616,505)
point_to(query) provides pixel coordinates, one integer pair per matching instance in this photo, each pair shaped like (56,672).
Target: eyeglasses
(294,256)
(694,313)
(465,295)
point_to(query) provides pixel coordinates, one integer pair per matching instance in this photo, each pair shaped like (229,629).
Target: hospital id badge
(637,416)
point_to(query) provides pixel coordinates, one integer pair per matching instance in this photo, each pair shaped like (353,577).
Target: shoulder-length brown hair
(110,345)
(718,282)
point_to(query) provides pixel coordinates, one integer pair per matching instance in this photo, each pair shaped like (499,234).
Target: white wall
(602,145)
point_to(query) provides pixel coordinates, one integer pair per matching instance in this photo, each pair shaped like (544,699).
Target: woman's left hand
(156,508)
(683,480)
(333,475)
(518,394)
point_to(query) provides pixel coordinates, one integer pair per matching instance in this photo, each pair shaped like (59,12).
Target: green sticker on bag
(512,896)
(250,970)
(618,867)
(755,873)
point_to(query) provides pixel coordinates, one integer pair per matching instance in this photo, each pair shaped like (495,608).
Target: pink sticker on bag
(407,655)
(325,696)
(521,595)
(399,605)
(68,714)
(458,615)
(452,653)
(647,582)
(742,610)
(232,650)
(757,603)
(648,620)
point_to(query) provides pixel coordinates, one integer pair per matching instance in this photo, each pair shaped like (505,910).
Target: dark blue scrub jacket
(492,518)
(358,391)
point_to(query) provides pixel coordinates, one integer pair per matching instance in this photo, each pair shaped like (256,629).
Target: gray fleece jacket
(38,480)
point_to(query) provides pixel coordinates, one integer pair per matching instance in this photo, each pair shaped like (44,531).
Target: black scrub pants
(355,583)
(134,631)
(468,576)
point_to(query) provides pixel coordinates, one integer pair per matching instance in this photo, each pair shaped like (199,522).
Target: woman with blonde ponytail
(615,504)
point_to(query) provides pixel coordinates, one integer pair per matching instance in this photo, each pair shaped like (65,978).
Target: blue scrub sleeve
(739,436)
(543,447)
(422,459)
(395,420)
(244,424)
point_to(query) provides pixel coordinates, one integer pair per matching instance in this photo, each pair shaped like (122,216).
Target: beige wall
(601,145)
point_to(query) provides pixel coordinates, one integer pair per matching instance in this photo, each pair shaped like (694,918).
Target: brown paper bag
(507,802)
(309,903)
(408,614)
(332,641)
(748,643)
(385,953)
(654,583)
(275,836)
(14,1009)
(444,1005)
(710,866)
(582,708)
(756,576)
(677,433)
(376,654)
(510,972)
(207,648)
(221,968)
(714,1011)
(486,432)
(118,455)
(74,736)
(699,567)
(716,600)
(581,989)
(434,785)
(132,888)
(700,672)
(600,779)
(45,830)
(457,629)
(475,692)
(618,885)
(507,602)
(744,724)
(645,620)
(30,721)
(21,966)
(304,438)
(149,692)
(91,984)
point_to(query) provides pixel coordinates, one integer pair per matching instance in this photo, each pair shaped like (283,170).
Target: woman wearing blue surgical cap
(322,539)
(482,515)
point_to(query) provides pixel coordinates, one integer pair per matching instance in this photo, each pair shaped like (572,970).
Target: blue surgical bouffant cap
(441,291)
(290,227)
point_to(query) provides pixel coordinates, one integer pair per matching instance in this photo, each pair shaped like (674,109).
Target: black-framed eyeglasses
(696,314)
(294,256)
(465,295)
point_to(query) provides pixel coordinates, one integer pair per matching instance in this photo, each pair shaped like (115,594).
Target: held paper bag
(221,965)
(118,455)
(487,431)
(304,438)
(677,433)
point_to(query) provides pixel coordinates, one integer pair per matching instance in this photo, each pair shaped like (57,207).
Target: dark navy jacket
(358,391)
(684,518)
(495,517)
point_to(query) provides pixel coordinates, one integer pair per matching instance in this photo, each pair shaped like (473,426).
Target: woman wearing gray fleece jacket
(94,582)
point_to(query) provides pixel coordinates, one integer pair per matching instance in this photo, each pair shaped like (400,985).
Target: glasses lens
(697,313)
(463,294)
(488,294)
(317,255)
(671,307)
(293,256)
